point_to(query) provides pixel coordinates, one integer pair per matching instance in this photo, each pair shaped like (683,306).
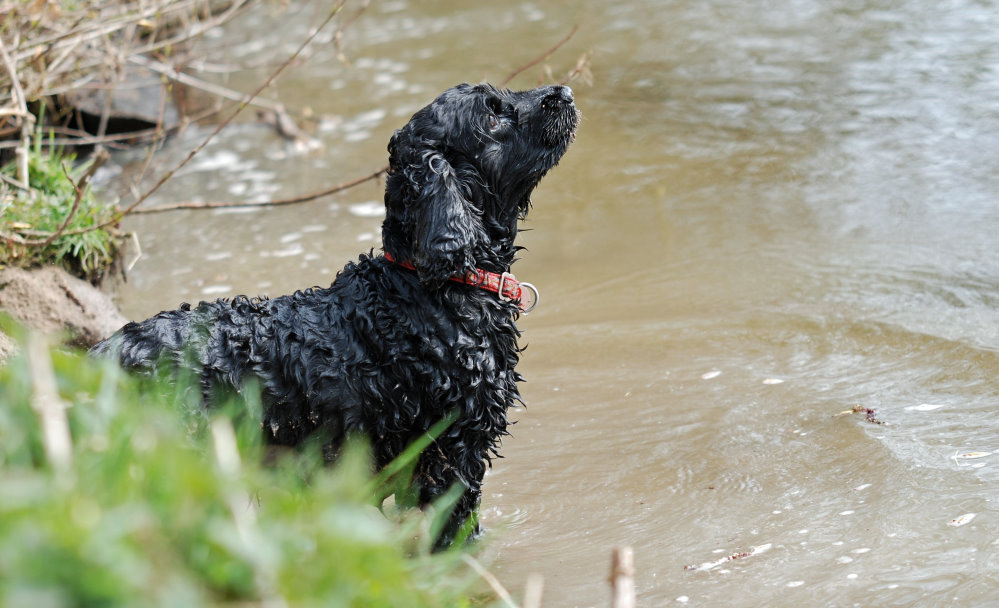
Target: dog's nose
(560,92)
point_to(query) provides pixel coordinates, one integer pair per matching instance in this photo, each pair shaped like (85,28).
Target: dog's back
(341,358)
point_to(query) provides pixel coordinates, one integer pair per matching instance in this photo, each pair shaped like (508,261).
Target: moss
(82,248)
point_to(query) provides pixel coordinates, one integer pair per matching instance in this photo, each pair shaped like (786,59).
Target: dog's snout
(559,93)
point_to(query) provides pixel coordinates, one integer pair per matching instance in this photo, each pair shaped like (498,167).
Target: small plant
(156,501)
(52,205)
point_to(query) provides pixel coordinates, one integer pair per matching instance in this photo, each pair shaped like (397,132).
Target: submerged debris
(869,414)
(728,558)
(958,457)
(973,455)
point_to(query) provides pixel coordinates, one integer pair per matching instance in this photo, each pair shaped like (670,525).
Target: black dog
(401,340)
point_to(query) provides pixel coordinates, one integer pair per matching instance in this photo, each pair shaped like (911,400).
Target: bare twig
(27,119)
(338,36)
(80,188)
(195,31)
(169,174)
(286,126)
(218,90)
(138,251)
(218,129)
(540,58)
(13,182)
(244,101)
(62,53)
(76,137)
(582,70)
(159,134)
(274,203)
(89,29)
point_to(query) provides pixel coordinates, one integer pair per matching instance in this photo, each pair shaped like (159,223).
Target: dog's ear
(444,222)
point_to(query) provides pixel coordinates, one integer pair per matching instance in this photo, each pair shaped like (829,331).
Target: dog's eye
(495,105)
(494,123)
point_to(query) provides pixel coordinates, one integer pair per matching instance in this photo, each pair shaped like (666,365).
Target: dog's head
(461,173)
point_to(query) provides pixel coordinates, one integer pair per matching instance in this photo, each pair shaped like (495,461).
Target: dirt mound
(50,300)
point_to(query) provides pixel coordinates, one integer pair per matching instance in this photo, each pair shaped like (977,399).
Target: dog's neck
(494,251)
(499,252)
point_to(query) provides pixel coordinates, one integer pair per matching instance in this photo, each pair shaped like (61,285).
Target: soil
(52,301)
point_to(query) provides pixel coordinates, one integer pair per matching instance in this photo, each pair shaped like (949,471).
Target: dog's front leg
(441,468)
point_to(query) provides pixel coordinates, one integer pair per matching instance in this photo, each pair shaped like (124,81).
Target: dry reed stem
(48,405)
(20,111)
(490,580)
(61,49)
(533,590)
(623,577)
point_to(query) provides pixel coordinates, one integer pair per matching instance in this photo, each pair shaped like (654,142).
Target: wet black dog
(401,340)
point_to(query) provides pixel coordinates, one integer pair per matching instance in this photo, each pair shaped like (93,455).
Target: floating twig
(732,557)
(869,414)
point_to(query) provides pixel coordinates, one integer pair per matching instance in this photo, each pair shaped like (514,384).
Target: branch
(169,174)
(338,37)
(275,203)
(75,137)
(244,102)
(218,90)
(582,69)
(27,119)
(536,61)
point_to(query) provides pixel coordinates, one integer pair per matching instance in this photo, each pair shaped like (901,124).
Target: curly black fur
(384,350)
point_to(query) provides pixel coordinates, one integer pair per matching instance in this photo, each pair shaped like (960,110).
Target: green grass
(159,508)
(44,207)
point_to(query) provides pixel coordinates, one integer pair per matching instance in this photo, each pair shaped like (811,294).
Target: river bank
(77,77)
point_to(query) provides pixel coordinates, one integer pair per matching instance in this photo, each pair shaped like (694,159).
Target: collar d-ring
(535,298)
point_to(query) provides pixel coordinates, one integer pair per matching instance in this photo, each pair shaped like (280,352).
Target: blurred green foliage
(165,504)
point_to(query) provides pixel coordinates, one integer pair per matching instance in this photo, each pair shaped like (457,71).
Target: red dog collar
(505,285)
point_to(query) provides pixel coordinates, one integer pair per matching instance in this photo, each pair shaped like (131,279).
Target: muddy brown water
(773,212)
